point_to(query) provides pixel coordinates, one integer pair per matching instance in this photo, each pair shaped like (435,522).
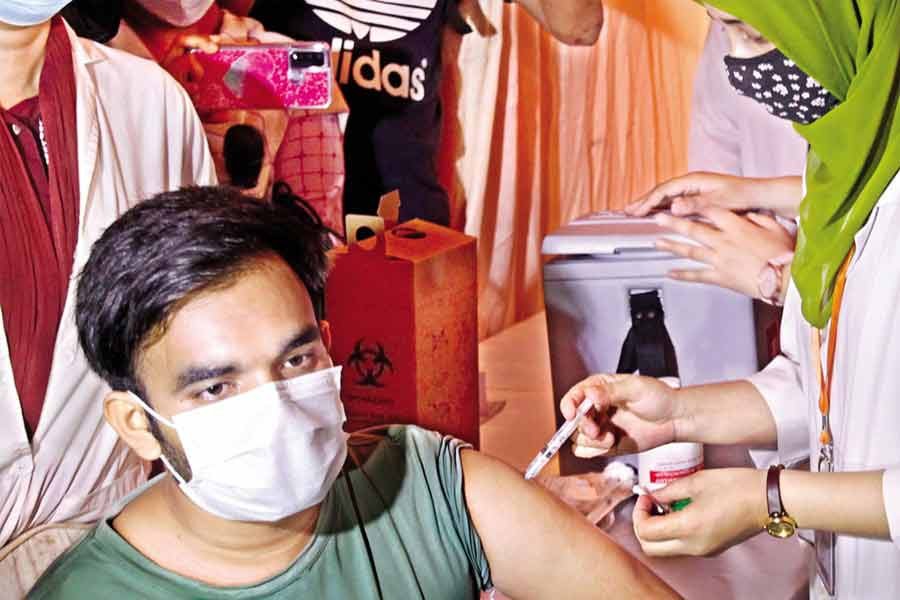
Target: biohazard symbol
(370,363)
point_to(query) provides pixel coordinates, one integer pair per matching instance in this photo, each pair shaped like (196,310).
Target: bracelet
(770,281)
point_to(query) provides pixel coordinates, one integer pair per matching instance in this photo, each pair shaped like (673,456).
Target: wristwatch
(779,524)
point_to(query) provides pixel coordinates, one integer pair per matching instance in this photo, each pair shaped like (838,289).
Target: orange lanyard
(825,437)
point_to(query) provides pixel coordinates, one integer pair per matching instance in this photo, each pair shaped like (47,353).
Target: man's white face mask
(265,454)
(25,13)
(182,13)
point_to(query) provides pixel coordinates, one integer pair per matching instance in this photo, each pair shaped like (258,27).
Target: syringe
(559,438)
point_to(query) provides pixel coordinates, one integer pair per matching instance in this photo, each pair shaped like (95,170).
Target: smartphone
(263,76)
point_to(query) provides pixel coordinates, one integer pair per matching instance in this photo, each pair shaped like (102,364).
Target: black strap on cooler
(648,347)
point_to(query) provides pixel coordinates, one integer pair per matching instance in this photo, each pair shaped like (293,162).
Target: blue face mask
(25,13)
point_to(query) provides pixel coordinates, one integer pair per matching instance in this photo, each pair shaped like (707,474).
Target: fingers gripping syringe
(559,438)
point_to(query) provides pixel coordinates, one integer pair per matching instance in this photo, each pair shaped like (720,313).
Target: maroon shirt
(39,211)
(23,121)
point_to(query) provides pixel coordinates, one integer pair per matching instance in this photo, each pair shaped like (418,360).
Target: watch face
(780,528)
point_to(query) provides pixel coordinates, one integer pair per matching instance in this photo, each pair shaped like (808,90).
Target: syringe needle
(559,438)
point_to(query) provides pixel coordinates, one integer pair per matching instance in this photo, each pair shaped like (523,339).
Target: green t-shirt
(410,498)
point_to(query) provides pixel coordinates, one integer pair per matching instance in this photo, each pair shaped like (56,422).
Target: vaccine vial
(669,462)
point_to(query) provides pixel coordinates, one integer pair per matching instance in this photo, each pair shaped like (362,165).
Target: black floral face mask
(774,81)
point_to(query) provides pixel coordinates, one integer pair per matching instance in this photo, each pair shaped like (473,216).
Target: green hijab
(851,47)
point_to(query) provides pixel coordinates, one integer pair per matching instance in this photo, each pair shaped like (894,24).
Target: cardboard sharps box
(402,307)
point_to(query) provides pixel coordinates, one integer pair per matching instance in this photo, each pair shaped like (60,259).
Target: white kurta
(137,135)
(865,411)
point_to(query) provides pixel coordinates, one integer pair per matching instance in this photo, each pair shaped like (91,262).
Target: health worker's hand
(631,413)
(691,193)
(736,248)
(727,507)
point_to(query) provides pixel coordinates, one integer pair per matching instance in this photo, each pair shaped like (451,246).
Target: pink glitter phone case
(265,76)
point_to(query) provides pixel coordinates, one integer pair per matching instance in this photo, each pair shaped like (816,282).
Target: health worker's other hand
(689,194)
(735,247)
(727,507)
(631,413)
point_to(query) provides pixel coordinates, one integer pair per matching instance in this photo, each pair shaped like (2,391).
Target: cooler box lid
(607,233)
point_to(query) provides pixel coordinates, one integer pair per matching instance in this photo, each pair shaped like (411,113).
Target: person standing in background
(302,148)
(741,157)
(87,131)
(730,133)
(834,68)
(389,68)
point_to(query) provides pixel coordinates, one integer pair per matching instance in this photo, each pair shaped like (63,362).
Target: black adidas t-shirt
(389,69)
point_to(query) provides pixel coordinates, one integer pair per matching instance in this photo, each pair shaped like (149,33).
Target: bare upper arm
(575,22)
(538,547)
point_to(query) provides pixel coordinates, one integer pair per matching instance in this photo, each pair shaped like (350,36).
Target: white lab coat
(865,412)
(138,135)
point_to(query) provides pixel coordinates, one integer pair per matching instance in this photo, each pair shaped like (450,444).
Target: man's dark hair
(173,246)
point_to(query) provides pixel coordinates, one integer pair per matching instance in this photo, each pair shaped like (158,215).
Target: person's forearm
(724,413)
(782,196)
(847,503)
(574,22)
(539,548)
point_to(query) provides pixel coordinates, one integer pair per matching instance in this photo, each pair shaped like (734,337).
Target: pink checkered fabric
(311,160)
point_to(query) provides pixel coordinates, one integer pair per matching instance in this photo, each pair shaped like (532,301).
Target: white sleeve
(779,385)
(890,486)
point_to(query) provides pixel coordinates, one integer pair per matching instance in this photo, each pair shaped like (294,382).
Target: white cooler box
(598,262)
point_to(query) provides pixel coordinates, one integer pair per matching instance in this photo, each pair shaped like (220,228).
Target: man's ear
(325,332)
(132,424)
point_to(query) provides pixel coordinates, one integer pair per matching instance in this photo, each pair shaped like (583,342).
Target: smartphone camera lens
(304,59)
